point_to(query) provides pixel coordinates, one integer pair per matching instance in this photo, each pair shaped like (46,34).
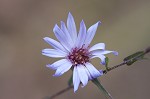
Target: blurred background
(23,24)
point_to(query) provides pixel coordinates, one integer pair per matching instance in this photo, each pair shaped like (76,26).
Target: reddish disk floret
(79,56)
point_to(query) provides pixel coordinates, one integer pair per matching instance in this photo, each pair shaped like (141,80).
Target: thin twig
(111,68)
(147,50)
(61,92)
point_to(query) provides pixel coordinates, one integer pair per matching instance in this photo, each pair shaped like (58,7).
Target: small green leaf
(70,81)
(106,65)
(101,88)
(134,57)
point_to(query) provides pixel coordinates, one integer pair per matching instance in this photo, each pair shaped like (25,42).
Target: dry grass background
(23,23)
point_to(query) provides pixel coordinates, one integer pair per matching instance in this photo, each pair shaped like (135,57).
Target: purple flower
(74,48)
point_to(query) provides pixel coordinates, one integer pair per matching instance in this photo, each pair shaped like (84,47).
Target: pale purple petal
(103,52)
(54,43)
(56,64)
(101,72)
(53,53)
(67,34)
(81,35)
(88,73)
(61,37)
(93,71)
(102,57)
(107,52)
(76,80)
(63,68)
(90,33)
(97,46)
(72,27)
(82,74)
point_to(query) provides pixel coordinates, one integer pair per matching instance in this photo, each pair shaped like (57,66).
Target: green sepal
(101,88)
(70,81)
(134,57)
(106,63)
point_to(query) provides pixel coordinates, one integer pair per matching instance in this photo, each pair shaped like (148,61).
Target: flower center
(79,56)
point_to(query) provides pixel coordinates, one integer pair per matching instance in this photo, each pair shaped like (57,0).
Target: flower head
(75,52)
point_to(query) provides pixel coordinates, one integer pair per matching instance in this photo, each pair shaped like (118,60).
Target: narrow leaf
(101,88)
(134,57)
(70,82)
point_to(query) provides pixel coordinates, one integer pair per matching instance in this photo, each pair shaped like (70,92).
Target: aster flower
(75,52)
